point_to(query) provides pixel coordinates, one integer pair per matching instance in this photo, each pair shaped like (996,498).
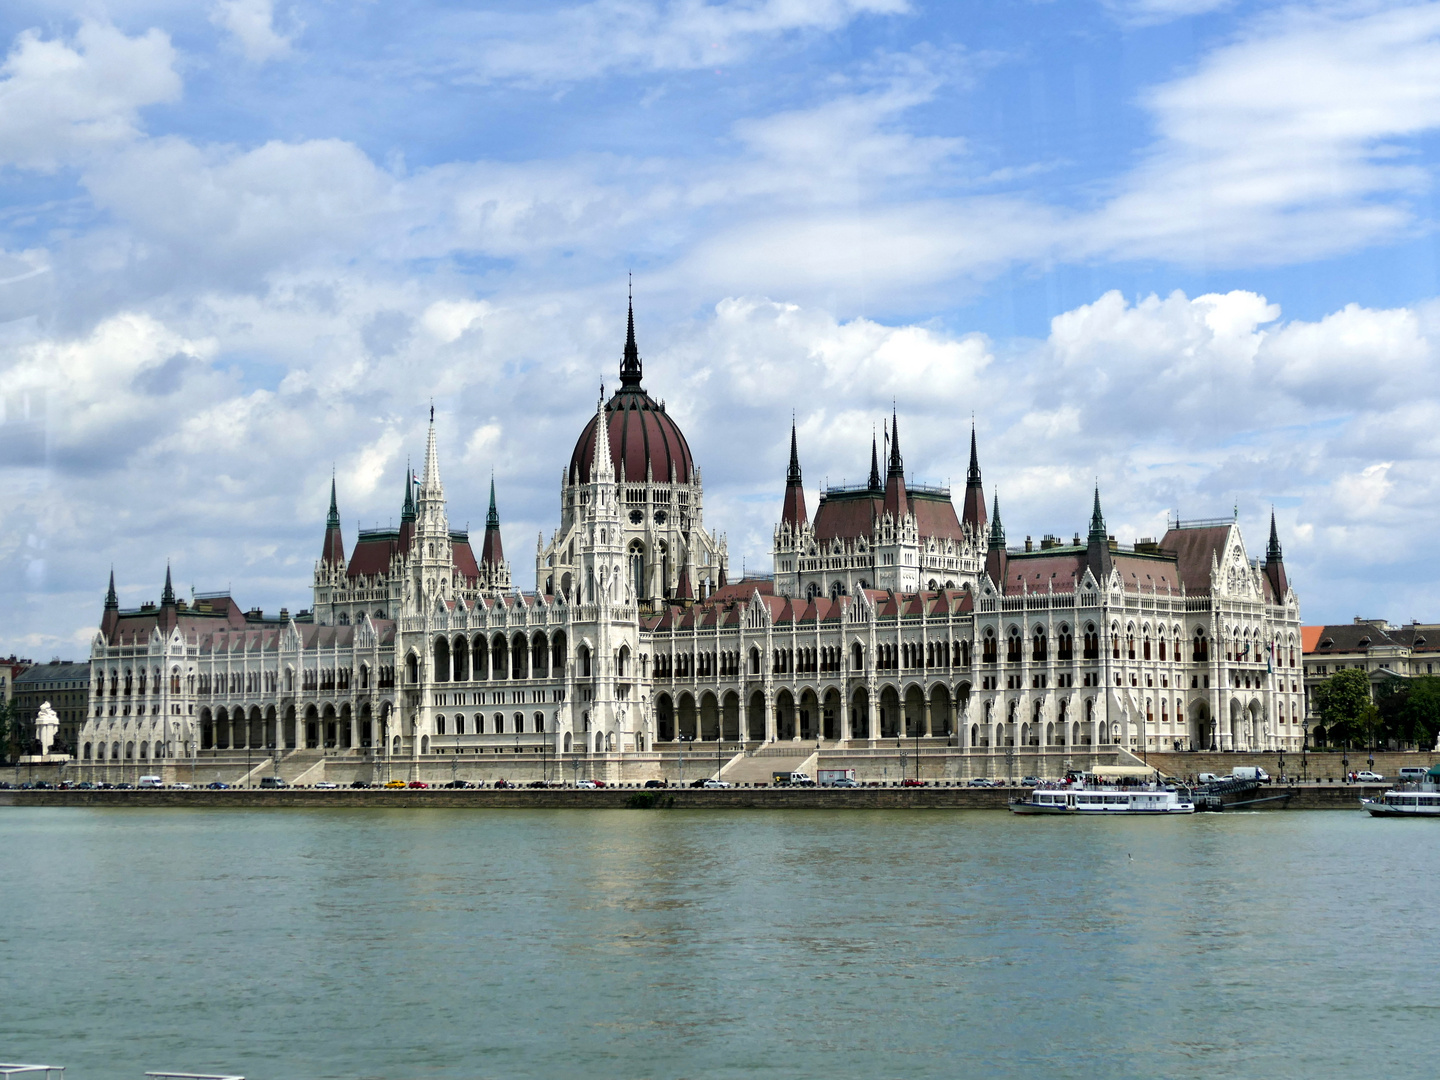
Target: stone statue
(47,726)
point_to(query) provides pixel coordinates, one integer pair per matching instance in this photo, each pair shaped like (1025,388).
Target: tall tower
(333,552)
(603,543)
(433,565)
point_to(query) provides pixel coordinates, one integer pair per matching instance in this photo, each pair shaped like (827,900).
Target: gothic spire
(997,530)
(1098,534)
(167,598)
(1275,564)
(874,463)
(602,468)
(974,511)
(112,599)
(897,465)
(794,512)
(492,554)
(407,511)
(630,369)
(334,550)
(430,480)
(897,501)
(1273,554)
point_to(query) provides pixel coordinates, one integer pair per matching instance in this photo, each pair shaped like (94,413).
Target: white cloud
(1289,144)
(588,40)
(251,23)
(61,101)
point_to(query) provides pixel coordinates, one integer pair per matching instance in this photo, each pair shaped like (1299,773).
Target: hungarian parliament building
(890,616)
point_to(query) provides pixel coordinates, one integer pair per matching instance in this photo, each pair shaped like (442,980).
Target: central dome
(643,438)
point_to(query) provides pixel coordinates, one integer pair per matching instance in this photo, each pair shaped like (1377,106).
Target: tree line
(1403,713)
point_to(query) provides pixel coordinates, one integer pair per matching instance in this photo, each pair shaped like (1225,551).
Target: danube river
(286,945)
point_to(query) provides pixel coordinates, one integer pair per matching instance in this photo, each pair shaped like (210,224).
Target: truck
(1250,772)
(833,777)
(791,779)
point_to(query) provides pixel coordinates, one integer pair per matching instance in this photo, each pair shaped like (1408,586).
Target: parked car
(1207,778)
(86,785)
(657,783)
(536,784)
(910,781)
(176,787)
(418,785)
(457,784)
(845,781)
(702,782)
(1412,773)
(1365,776)
(1030,781)
(714,783)
(587,784)
(978,781)
(360,783)
(326,785)
(394,784)
(503,783)
(220,785)
(271,782)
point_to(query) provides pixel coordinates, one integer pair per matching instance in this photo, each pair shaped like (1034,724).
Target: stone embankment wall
(1305,797)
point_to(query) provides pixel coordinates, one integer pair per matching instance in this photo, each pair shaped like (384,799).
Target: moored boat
(1409,800)
(1116,789)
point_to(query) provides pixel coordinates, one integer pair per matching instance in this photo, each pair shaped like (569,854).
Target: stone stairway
(758,769)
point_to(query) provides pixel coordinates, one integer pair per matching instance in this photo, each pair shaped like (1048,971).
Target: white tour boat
(1097,792)
(1409,800)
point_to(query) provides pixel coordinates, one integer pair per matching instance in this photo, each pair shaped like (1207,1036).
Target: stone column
(926,731)
(845,707)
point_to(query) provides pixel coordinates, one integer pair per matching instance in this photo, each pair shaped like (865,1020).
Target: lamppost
(1304,752)
(917,752)
(718,733)
(680,738)
(455,761)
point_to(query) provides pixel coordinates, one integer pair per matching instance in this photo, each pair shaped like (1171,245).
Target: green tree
(1342,702)
(1418,720)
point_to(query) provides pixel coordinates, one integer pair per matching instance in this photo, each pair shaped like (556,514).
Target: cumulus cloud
(252,25)
(61,101)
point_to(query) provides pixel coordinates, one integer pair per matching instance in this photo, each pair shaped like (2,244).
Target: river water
(456,944)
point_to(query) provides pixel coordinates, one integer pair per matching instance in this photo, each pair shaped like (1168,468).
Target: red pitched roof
(1195,549)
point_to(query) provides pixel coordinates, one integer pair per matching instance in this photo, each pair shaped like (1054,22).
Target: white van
(1412,774)
(1250,772)
(150,781)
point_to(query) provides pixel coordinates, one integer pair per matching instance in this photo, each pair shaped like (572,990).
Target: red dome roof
(642,436)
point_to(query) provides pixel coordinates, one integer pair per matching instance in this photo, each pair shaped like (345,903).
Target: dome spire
(630,368)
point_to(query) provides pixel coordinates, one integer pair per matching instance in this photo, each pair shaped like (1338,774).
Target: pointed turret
(794,513)
(112,598)
(167,598)
(874,464)
(897,503)
(430,486)
(111,618)
(630,369)
(1097,544)
(603,468)
(333,553)
(974,512)
(1275,563)
(407,509)
(996,560)
(492,555)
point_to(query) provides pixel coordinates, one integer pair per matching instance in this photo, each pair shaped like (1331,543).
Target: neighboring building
(1379,648)
(11,668)
(65,686)
(890,616)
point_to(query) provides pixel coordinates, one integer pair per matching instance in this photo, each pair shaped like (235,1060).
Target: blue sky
(1183,247)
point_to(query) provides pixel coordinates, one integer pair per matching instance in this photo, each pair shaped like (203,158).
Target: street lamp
(680,738)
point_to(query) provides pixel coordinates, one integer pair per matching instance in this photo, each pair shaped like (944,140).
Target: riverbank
(1300,797)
